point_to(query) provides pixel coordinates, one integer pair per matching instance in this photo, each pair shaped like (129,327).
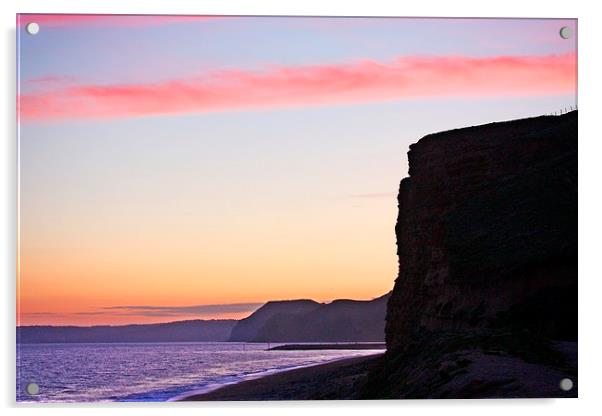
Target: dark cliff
(309,321)
(487,246)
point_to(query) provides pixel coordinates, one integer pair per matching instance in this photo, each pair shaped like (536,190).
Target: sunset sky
(195,167)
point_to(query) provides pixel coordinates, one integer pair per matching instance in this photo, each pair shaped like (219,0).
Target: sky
(183,167)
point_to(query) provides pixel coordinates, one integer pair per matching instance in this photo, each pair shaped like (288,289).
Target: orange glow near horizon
(69,277)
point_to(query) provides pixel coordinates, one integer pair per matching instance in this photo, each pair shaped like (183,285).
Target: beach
(331,346)
(331,381)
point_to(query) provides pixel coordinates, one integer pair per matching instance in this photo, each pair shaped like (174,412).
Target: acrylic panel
(295,208)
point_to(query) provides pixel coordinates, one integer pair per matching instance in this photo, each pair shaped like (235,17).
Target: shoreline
(330,380)
(210,388)
(331,346)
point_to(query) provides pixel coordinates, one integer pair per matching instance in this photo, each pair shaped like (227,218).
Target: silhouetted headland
(341,320)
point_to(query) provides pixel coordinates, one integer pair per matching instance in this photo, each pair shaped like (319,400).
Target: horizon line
(174,311)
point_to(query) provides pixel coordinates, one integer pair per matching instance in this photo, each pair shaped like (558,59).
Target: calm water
(150,371)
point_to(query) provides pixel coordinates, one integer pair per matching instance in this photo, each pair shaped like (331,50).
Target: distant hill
(276,321)
(181,331)
(248,328)
(310,321)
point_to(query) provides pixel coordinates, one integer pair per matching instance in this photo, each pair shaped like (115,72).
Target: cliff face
(487,230)
(487,246)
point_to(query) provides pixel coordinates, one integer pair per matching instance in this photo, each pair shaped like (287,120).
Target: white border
(590,196)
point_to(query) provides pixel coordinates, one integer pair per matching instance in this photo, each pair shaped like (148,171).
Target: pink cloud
(281,86)
(69,20)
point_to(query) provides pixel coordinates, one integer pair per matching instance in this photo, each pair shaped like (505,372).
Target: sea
(151,372)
